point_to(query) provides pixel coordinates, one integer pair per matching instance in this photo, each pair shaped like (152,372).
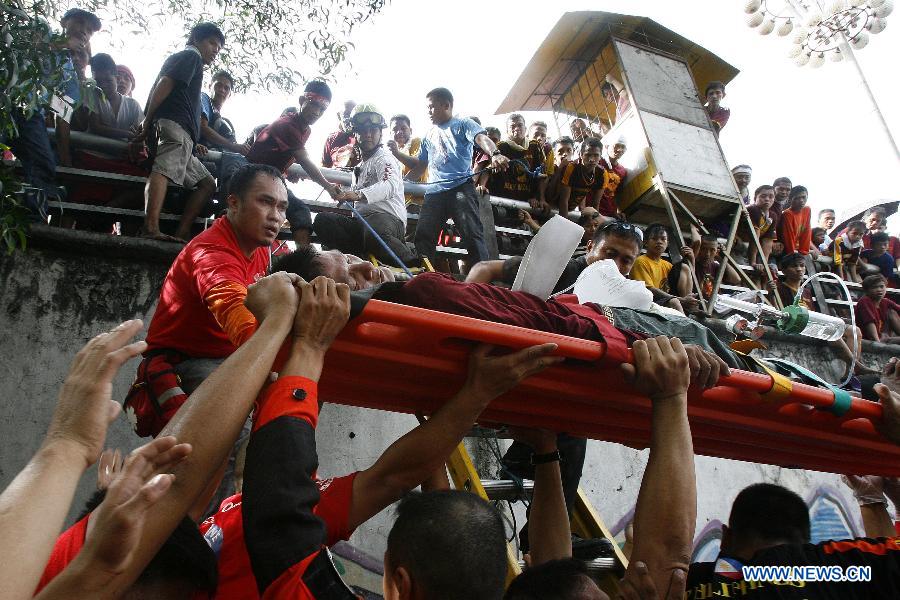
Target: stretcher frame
(421,361)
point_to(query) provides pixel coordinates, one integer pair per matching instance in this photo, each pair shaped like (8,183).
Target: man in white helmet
(378,192)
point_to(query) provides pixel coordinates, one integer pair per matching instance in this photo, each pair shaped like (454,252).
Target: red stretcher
(411,360)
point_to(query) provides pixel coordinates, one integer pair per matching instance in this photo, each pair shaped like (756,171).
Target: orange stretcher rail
(406,359)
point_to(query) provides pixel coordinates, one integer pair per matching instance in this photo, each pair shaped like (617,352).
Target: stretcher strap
(842,398)
(782,387)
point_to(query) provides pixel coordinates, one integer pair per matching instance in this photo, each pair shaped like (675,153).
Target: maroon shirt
(869,312)
(276,144)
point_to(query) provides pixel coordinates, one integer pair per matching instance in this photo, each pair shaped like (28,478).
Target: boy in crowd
(793,268)
(718,114)
(172,126)
(447,154)
(405,149)
(827,219)
(876,220)
(653,270)
(705,265)
(876,315)
(615,176)
(481,160)
(378,189)
(563,148)
(845,250)
(118,116)
(794,229)
(582,183)
(125,81)
(537,134)
(217,132)
(820,239)
(764,217)
(877,256)
(742,175)
(340,147)
(782,187)
(516,182)
(580,131)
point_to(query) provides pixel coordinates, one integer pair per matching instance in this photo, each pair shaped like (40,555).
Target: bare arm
(160,92)
(96,126)
(485,271)
(417,455)
(870,332)
(240,378)
(666,511)
(302,158)
(208,133)
(565,192)
(33,507)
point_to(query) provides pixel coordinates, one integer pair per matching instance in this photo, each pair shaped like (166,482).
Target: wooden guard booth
(677,172)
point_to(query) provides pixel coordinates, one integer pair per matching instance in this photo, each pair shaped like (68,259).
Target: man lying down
(562,315)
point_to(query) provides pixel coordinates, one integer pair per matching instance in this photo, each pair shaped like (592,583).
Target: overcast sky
(813,125)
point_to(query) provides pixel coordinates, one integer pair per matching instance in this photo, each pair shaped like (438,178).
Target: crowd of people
(228,381)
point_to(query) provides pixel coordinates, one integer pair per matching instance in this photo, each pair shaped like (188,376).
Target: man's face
(855,234)
(209,48)
(826,220)
(369,138)
(590,156)
(618,151)
(439,111)
(799,201)
(658,242)
(221,89)
(539,133)
(622,250)
(579,129)
(311,110)
(782,191)
(879,248)
(401,132)
(765,199)
(707,252)
(713,97)
(563,152)
(352,270)
(873,221)
(78,28)
(877,291)
(818,238)
(106,81)
(258,216)
(515,129)
(123,85)
(795,272)
(608,94)
(742,180)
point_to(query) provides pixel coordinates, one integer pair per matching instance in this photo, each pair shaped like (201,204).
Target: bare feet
(160,237)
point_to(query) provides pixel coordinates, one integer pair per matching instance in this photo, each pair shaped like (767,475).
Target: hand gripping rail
(406,359)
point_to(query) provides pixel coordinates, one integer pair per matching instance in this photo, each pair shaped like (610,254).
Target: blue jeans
(32,148)
(460,204)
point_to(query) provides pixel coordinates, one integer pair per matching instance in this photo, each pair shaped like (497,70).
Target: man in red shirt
(201,319)
(795,230)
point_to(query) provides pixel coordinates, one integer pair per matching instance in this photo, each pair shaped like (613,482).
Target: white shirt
(130,113)
(379,179)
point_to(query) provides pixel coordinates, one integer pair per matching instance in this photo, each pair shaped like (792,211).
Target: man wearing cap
(616,174)
(282,143)
(741,175)
(378,189)
(172,127)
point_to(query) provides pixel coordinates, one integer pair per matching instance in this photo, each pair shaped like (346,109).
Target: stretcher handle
(449,326)
(800,393)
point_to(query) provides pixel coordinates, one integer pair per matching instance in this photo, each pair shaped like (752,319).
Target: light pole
(831,29)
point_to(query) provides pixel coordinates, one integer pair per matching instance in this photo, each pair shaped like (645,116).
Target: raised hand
(661,368)
(274,294)
(323,312)
(705,366)
(491,376)
(85,407)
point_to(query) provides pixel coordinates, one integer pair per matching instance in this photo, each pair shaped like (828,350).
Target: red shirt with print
(275,145)
(182,320)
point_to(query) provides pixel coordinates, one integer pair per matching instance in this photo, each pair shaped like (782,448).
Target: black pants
(350,235)
(572,451)
(460,204)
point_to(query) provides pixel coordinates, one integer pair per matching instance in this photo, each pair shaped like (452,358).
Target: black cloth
(350,235)
(216,122)
(298,214)
(882,555)
(182,105)
(462,205)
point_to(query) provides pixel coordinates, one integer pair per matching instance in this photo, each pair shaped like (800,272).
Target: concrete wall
(70,286)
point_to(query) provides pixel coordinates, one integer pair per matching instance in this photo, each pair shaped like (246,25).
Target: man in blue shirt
(446,152)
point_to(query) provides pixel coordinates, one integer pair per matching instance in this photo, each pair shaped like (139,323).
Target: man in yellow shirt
(653,270)
(405,149)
